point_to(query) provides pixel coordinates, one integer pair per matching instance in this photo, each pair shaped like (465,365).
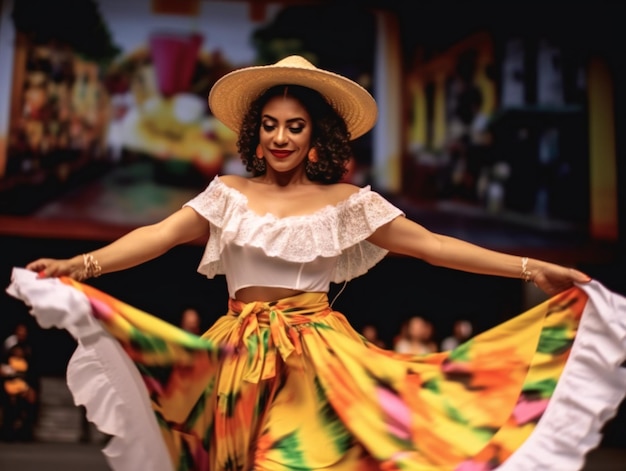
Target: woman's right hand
(50,267)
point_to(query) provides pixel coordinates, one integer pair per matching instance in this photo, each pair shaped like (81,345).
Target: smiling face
(326,129)
(285,134)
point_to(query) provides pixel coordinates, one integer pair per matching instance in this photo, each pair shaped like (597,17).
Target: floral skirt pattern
(290,385)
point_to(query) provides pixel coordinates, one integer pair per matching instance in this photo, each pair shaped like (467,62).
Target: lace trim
(333,231)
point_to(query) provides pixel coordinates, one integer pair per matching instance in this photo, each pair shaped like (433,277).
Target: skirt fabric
(290,385)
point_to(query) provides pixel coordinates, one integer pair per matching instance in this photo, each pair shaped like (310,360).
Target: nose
(280,138)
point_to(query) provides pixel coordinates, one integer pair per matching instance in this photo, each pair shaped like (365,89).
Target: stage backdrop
(104,118)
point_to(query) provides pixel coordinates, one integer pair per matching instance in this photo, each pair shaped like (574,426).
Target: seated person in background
(461,331)
(190,321)
(370,332)
(415,338)
(18,396)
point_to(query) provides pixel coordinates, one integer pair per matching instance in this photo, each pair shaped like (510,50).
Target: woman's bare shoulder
(234,181)
(342,191)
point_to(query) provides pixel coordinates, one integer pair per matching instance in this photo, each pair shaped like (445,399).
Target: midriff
(264,293)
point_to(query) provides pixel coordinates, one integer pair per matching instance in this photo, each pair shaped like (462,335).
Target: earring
(258,164)
(312,166)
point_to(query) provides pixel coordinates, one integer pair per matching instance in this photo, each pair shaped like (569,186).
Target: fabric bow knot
(261,349)
(268,329)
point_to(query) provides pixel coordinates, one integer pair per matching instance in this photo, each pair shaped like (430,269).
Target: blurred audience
(416,337)
(19,336)
(461,331)
(370,332)
(190,321)
(19,393)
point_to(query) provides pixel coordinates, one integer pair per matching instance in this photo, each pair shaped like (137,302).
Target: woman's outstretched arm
(406,237)
(134,248)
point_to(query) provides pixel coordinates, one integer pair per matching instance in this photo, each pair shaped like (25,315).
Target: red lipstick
(280,154)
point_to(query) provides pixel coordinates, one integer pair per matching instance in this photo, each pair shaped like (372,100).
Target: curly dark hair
(330,135)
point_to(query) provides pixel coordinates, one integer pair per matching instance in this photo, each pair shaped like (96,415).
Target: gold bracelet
(526,274)
(91,267)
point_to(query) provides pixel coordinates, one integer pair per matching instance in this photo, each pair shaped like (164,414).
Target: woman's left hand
(553,279)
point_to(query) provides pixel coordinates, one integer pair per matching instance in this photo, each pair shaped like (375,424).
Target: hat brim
(232,94)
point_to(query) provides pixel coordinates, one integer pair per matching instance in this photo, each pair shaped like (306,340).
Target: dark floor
(51,456)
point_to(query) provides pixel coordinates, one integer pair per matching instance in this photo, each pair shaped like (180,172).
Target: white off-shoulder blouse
(305,253)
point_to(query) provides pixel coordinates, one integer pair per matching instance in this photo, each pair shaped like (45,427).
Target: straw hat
(232,94)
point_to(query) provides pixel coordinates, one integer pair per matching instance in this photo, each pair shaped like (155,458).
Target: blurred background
(500,123)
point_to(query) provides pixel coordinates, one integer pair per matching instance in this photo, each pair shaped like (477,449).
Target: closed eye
(293,130)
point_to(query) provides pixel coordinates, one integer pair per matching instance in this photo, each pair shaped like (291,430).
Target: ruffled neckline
(339,230)
(242,201)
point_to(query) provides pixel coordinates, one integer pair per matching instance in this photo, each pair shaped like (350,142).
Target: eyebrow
(289,121)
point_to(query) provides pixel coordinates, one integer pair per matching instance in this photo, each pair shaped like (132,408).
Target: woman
(282,381)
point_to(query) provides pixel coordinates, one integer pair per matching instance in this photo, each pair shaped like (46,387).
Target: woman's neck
(284,179)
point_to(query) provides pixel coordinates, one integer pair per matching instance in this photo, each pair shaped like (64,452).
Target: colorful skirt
(290,385)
